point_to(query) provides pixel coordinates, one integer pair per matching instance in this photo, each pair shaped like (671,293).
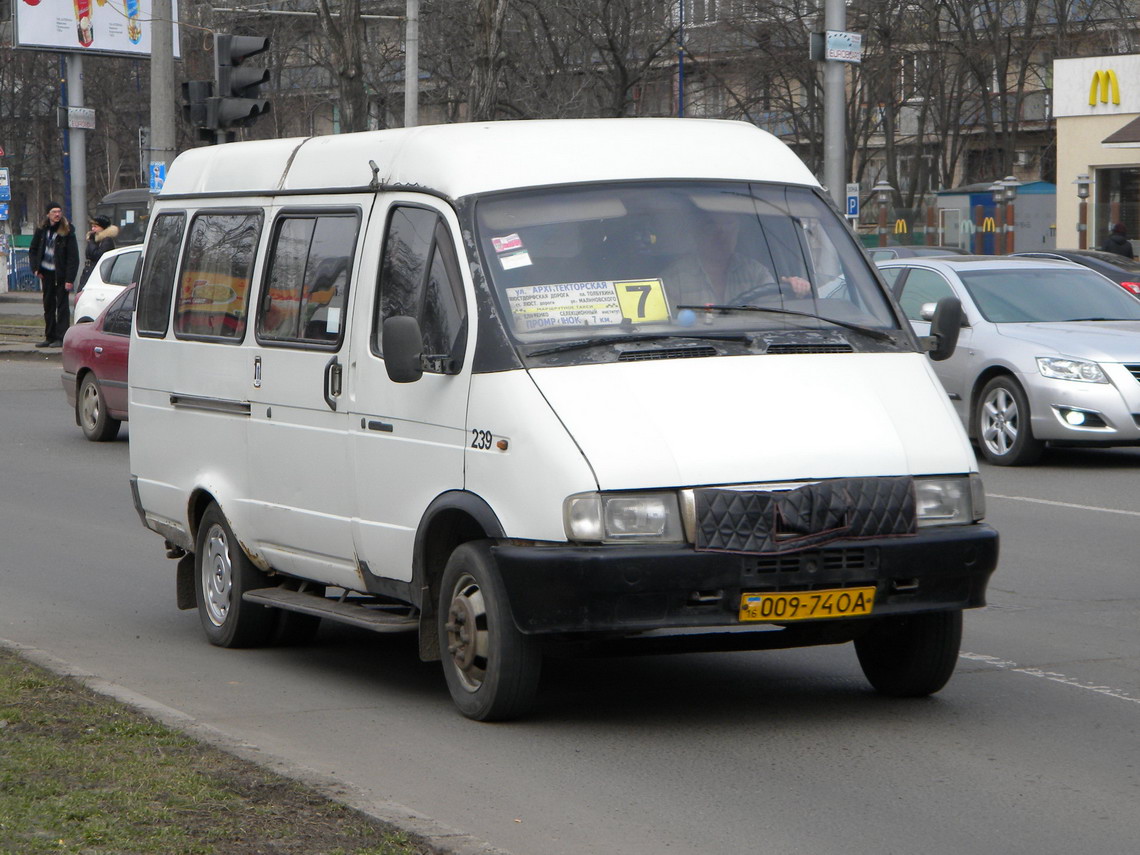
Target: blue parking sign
(853,200)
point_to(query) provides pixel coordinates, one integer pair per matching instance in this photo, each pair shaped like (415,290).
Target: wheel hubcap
(89,406)
(467,633)
(1000,421)
(217,576)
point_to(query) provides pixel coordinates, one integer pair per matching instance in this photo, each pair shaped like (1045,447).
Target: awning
(1126,137)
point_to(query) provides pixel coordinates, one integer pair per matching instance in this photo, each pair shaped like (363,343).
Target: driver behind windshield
(715,273)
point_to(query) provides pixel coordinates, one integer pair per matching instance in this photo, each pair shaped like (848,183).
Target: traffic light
(195,99)
(235,101)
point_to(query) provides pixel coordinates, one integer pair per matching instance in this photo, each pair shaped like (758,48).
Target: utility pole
(412,64)
(162,95)
(77,145)
(834,98)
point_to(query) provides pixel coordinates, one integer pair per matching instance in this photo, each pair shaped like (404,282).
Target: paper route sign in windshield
(601,303)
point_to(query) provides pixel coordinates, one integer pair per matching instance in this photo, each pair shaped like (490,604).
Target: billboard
(87,26)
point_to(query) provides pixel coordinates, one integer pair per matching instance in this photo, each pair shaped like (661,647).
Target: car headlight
(1060,368)
(949,501)
(623,517)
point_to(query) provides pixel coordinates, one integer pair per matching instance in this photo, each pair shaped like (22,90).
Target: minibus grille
(666,353)
(810,348)
(828,561)
(1134,370)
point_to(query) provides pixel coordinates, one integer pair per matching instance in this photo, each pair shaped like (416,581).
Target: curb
(438,839)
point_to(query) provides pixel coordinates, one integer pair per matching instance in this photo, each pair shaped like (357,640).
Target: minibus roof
(457,160)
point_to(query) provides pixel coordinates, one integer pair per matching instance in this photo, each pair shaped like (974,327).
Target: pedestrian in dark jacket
(1118,242)
(100,239)
(54,257)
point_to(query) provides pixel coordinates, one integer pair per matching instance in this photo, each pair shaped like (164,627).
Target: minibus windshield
(584,264)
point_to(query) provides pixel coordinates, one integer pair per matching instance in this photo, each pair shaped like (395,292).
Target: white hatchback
(117,269)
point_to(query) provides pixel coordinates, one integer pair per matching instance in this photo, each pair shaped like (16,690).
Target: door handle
(332,383)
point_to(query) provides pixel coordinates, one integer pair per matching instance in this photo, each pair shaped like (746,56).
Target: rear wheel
(1001,424)
(492,669)
(91,412)
(224,573)
(911,656)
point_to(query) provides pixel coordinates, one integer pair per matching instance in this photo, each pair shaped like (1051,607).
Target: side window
(213,285)
(306,284)
(922,286)
(117,319)
(159,273)
(420,277)
(122,269)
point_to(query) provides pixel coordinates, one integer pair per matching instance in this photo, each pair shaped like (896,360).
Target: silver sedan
(1049,351)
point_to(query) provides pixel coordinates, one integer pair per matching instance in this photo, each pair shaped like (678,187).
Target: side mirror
(403,349)
(945,324)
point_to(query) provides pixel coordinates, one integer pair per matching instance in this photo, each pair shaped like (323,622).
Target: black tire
(223,573)
(91,411)
(911,656)
(1002,426)
(492,669)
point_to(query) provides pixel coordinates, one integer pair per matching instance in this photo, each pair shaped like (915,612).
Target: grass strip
(86,775)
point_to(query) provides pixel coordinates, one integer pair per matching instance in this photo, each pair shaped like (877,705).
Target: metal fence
(20,276)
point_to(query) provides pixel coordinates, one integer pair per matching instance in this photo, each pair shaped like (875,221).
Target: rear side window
(120,270)
(213,285)
(307,280)
(420,278)
(117,319)
(159,274)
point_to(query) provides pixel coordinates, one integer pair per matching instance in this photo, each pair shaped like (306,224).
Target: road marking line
(1055,676)
(1065,505)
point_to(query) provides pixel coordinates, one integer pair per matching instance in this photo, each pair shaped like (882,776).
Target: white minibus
(523,387)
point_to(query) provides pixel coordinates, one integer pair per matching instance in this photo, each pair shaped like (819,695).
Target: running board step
(370,616)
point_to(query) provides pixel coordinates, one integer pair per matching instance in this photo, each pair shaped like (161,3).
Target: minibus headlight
(949,501)
(623,517)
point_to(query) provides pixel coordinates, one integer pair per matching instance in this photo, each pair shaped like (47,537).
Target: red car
(95,369)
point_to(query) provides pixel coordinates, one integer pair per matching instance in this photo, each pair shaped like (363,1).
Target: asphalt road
(1032,748)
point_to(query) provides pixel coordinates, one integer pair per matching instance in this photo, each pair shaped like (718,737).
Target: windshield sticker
(508,243)
(511,260)
(605,303)
(512,254)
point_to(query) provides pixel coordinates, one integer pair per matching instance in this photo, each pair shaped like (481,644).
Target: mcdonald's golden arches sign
(1105,86)
(1096,86)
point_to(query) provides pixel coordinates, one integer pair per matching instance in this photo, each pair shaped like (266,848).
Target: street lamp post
(1011,184)
(1083,183)
(883,192)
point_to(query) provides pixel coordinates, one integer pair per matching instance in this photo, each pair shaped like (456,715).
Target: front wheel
(911,656)
(1001,424)
(224,572)
(491,668)
(91,412)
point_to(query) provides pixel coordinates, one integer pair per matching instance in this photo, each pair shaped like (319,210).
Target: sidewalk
(23,304)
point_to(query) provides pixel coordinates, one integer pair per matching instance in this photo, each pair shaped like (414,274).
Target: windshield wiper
(867,331)
(605,341)
(1070,320)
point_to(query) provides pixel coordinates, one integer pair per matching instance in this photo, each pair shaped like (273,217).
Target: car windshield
(603,263)
(1033,294)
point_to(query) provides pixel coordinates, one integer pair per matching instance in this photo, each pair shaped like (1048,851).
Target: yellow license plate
(807,605)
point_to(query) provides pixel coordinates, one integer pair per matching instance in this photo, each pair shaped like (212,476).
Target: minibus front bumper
(637,588)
